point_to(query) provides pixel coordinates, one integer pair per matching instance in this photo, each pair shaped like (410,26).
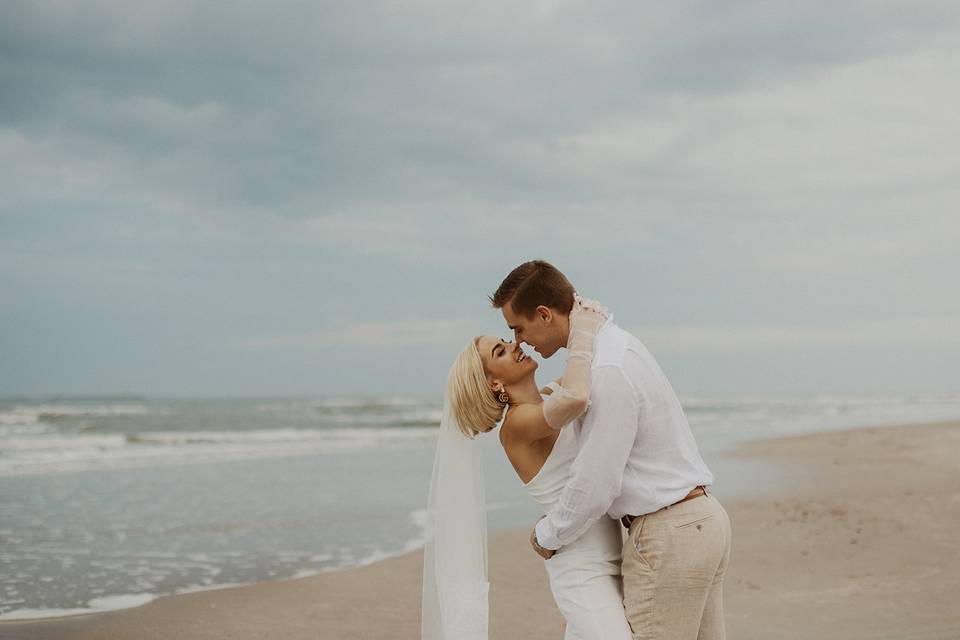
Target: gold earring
(503,397)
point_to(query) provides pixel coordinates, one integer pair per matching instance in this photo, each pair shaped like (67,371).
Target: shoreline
(832,547)
(148,598)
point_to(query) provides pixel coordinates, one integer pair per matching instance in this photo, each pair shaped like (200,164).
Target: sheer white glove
(572,396)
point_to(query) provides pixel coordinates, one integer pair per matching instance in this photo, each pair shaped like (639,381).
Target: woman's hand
(587,316)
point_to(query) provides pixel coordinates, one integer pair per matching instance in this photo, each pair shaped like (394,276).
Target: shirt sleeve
(596,475)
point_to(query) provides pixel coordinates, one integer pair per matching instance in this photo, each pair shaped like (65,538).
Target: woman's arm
(547,390)
(570,395)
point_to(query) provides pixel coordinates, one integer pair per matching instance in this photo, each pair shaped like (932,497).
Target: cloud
(782,174)
(153,112)
(372,335)
(924,332)
(306,110)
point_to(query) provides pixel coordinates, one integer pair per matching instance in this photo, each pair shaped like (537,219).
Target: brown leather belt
(696,492)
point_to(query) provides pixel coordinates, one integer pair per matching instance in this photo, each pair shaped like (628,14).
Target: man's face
(541,331)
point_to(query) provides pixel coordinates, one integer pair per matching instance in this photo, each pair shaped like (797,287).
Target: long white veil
(455,588)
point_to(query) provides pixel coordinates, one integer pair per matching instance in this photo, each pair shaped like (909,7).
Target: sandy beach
(859,539)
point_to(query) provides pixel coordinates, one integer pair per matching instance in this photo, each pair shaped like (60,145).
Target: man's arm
(596,475)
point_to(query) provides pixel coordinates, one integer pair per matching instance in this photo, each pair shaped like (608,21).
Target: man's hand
(546,554)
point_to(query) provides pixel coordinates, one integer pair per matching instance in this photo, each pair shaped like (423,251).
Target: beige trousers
(674,561)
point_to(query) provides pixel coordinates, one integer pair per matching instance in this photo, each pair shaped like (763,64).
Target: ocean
(110,502)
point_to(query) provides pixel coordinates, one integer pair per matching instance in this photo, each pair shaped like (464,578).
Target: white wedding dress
(584,575)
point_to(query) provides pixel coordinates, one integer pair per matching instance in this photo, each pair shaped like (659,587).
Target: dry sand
(860,541)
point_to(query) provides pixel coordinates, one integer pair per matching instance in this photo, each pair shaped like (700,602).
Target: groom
(637,462)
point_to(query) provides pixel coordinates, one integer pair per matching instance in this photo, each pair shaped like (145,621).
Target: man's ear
(545,314)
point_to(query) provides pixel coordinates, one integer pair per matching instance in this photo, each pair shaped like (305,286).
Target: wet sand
(861,539)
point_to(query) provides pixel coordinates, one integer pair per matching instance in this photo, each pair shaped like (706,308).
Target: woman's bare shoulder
(522,422)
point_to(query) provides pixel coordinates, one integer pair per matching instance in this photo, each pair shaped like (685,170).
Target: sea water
(110,502)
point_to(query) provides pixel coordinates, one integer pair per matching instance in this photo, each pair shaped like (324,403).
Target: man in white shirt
(637,462)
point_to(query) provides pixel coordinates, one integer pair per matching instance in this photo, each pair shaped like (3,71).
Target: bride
(493,381)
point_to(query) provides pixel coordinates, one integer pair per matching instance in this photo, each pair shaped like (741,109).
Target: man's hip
(672,559)
(696,492)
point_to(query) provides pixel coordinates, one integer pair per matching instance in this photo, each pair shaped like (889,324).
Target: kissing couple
(634,543)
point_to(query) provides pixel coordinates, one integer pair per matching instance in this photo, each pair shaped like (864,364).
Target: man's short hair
(532,284)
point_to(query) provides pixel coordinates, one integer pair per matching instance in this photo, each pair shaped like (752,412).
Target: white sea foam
(737,416)
(363,412)
(28,414)
(421,518)
(57,442)
(211,587)
(19,416)
(379,554)
(358,437)
(26,420)
(326,404)
(306,573)
(97,605)
(17,429)
(58,453)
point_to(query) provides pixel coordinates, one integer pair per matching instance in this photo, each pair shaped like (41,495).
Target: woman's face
(504,362)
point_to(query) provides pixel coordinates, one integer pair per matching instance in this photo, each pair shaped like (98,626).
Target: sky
(316,198)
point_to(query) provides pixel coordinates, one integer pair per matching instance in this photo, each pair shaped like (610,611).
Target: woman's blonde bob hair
(474,406)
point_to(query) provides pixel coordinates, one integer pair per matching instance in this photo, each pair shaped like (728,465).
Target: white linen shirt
(636,451)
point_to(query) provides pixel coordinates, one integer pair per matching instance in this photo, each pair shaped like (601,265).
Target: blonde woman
(492,381)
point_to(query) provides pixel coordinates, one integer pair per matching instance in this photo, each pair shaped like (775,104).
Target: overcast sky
(309,198)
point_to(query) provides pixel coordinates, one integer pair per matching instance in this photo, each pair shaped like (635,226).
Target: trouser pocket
(696,520)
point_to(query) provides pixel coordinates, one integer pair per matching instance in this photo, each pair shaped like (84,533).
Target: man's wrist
(539,535)
(539,546)
(543,552)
